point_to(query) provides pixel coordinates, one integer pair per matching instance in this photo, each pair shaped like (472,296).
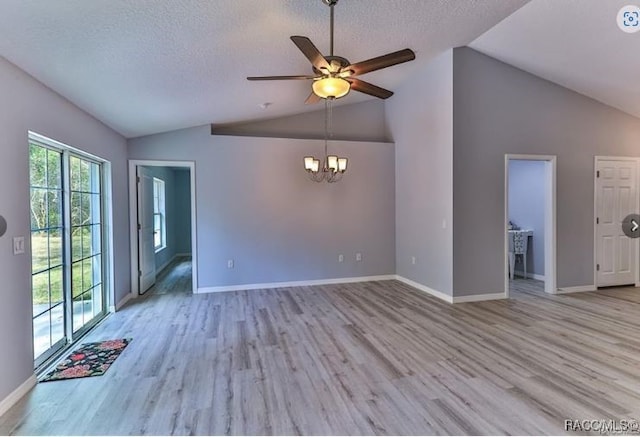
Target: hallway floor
(175,278)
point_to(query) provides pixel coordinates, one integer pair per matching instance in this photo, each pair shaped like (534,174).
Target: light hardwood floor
(370,358)
(174,278)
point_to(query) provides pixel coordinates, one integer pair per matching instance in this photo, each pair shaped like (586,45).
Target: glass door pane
(47,221)
(86,242)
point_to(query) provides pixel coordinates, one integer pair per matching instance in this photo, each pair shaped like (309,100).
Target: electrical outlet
(358,256)
(230,264)
(18,245)
(413,260)
(340,258)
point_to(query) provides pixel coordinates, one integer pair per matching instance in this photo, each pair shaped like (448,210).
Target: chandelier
(330,168)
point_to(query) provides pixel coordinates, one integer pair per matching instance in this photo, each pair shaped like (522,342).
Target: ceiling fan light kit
(331,87)
(333,77)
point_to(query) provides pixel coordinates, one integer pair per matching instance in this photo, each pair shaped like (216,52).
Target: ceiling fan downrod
(331,4)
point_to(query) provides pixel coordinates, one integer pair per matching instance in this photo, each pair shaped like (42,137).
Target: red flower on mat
(77,357)
(74,372)
(111,344)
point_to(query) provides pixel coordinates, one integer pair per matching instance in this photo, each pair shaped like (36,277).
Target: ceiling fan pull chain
(330,118)
(326,128)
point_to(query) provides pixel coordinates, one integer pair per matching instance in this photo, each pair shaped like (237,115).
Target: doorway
(616,196)
(530,223)
(163,229)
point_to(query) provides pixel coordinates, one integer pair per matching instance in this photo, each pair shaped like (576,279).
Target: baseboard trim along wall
(452,299)
(17,394)
(479,297)
(269,285)
(529,275)
(166,264)
(435,293)
(120,304)
(576,289)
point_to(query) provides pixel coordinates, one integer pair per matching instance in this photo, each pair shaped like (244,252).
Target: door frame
(595,213)
(550,219)
(133,218)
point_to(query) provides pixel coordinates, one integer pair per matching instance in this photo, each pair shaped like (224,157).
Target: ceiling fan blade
(311,52)
(380,62)
(367,88)
(312,99)
(281,77)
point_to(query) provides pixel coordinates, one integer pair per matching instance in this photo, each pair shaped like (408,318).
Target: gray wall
(500,109)
(526,208)
(420,119)
(256,206)
(28,105)
(182,211)
(355,122)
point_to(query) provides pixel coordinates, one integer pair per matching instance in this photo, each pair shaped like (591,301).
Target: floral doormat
(92,359)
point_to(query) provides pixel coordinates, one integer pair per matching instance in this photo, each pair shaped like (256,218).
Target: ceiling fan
(335,76)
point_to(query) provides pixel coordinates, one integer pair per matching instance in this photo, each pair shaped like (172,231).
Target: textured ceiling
(148,66)
(575,43)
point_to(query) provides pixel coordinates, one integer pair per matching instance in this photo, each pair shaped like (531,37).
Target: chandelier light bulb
(342,164)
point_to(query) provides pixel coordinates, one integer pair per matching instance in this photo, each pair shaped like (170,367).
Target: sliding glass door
(47,262)
(67,250)
(86,242)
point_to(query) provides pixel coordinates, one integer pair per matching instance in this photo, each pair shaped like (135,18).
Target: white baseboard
(17,394)
(529,275)
(172,259)
(479,297)
(435,293)
(120,304)
(576,289)
(166,264)
(269,285)
(452,299)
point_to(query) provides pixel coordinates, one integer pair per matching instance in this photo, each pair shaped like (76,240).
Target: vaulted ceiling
(575,43)
(149,66)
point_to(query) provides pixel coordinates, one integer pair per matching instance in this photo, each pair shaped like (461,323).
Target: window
(159,218)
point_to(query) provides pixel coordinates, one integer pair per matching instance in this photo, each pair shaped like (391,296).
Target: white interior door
(616,197)
(146,248)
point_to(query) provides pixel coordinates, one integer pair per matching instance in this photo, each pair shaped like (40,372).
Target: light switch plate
(18,245)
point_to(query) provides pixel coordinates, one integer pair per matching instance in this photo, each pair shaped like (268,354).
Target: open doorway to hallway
(530,223)
(163,227)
